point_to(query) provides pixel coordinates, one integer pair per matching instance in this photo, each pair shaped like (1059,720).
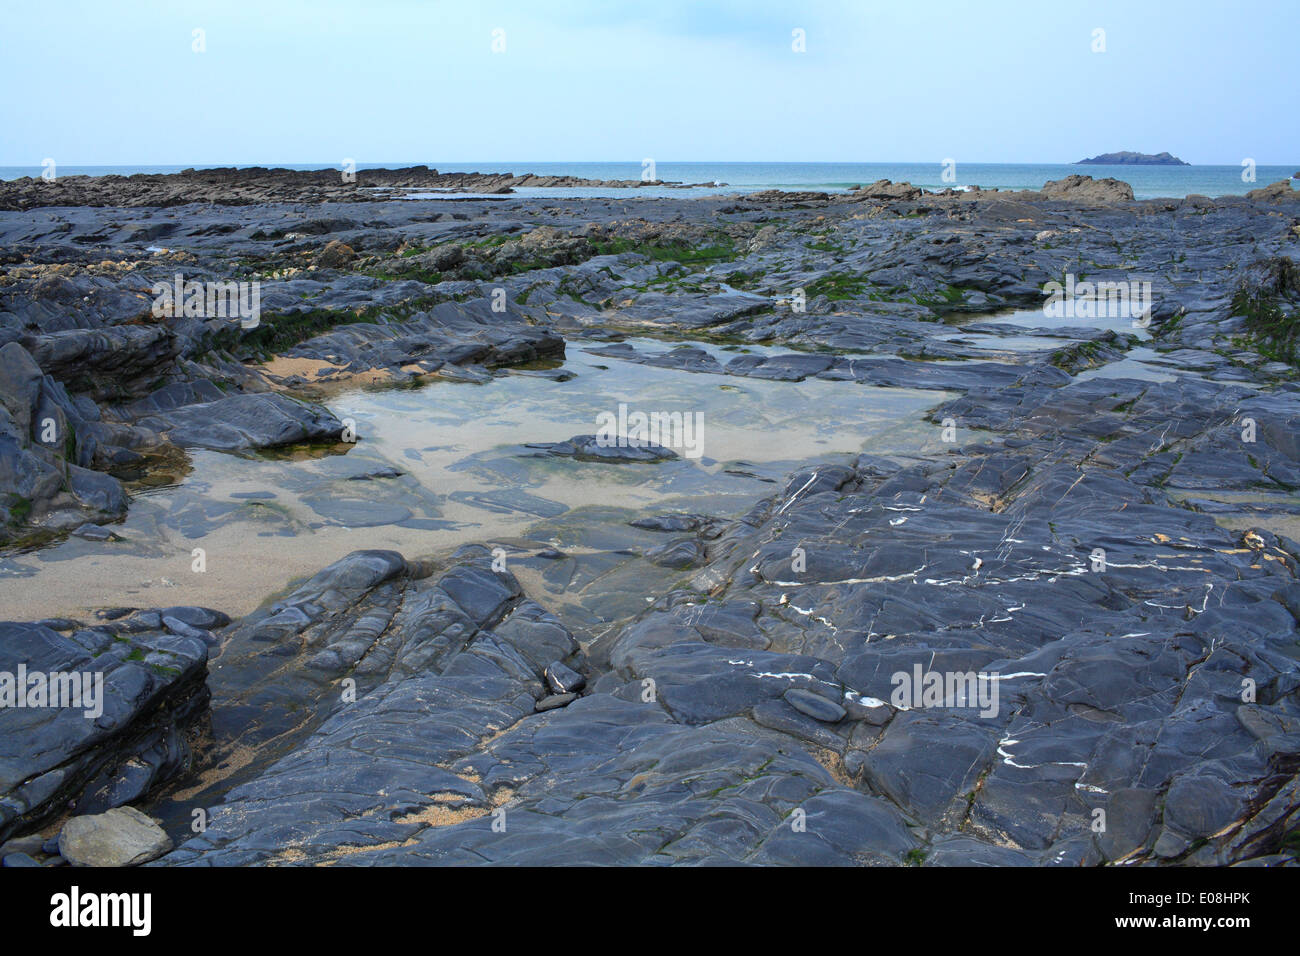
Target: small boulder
(121,837)
(335,255)
(26,844)
(884,189)
(1274,192)
(564,679)
(1078,188)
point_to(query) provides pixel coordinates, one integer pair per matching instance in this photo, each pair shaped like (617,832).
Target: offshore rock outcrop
(1129,158)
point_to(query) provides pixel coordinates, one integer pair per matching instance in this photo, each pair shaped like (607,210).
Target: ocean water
(1148,182)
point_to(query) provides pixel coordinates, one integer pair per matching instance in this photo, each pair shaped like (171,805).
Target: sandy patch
(314,370)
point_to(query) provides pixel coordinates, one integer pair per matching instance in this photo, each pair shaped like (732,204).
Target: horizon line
(390,164)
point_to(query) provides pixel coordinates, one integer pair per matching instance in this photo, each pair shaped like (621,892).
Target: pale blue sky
(291,81)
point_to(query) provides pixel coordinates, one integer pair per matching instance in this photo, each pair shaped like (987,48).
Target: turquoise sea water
(1147,181)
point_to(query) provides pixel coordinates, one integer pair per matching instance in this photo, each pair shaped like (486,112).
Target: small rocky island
(1129,158)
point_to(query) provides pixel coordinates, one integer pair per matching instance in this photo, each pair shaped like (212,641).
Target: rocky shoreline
(255,184)
(1105,539)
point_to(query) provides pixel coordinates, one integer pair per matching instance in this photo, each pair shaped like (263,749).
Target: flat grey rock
(122,836)
(553,701)
(814,705)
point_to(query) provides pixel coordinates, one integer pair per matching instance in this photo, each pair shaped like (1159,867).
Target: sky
(386,81)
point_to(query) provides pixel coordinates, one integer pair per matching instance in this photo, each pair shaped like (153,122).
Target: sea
(1148,182)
